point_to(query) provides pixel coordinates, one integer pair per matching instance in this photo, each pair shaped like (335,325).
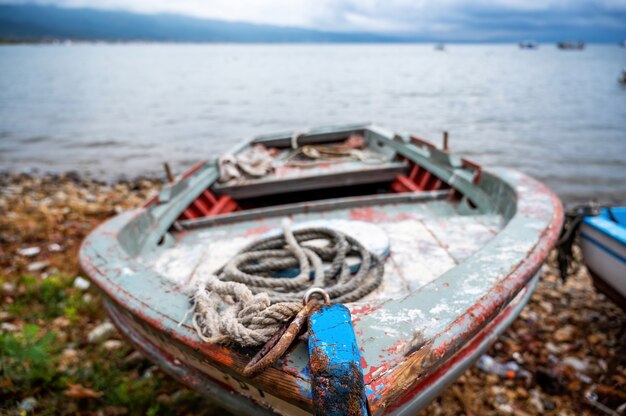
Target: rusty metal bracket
(278,344)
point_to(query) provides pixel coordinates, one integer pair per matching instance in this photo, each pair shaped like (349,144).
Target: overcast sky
(471,20)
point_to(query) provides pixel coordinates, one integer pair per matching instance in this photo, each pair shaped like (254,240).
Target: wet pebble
(8,288)
(37,266)
(9,327)
(69,357)
(505,408)
(112,345)
(81,283)
(576,363)
(549,404)
(55,248)
(535,401)
(27,405)
(29,251)
(565,333)
(101,332)
(61,322)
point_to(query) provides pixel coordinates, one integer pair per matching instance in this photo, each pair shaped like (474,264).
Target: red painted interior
(208,205)
(419,179)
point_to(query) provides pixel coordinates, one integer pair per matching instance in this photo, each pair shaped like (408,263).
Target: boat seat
(287,179)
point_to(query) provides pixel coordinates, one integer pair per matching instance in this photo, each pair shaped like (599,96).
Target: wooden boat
(603,242)
(528,44)
(466,245)
(571,45)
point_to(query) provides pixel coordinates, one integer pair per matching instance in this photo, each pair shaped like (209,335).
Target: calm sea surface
(121,110)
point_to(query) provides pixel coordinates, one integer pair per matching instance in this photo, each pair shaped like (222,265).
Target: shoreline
(61,354)
(61,41)
(7,176)
(158,176)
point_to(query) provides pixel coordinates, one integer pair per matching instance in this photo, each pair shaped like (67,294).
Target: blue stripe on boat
(604,224)
(603,247)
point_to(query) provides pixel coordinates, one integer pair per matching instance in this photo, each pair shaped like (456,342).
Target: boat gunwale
(432,383)
(421,363)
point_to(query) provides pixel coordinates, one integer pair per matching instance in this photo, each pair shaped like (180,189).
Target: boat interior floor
(424,239)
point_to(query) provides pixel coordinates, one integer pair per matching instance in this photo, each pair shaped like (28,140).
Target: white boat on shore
(603,242)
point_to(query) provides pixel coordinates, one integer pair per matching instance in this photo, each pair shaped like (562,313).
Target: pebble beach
(60,355)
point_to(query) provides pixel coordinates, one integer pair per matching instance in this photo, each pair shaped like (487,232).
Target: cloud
(446,19)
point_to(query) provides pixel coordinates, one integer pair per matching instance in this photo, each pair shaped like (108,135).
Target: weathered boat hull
(242,398)
(603,244)
(464,280)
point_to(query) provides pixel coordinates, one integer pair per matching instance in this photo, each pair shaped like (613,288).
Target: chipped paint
(414,244)
(335,364)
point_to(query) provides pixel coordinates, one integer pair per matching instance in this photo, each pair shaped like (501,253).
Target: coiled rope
(243,303)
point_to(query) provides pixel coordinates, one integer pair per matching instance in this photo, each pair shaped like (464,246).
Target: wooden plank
(405,184)
(312,206)
(461,236)
(202,207)
(307,182)
(313,136)
(209,197)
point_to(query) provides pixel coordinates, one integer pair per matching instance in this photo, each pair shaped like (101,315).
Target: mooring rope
(243,303)
(573,218)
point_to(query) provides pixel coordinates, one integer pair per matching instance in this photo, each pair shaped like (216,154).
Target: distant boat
(571,45)
(603,242)
(528,44)
(622,79)
(622,44)
(440,47)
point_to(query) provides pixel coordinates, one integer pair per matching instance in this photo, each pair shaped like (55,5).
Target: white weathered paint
(420,247)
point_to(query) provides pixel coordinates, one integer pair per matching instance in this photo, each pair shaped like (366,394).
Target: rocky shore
(565,355)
